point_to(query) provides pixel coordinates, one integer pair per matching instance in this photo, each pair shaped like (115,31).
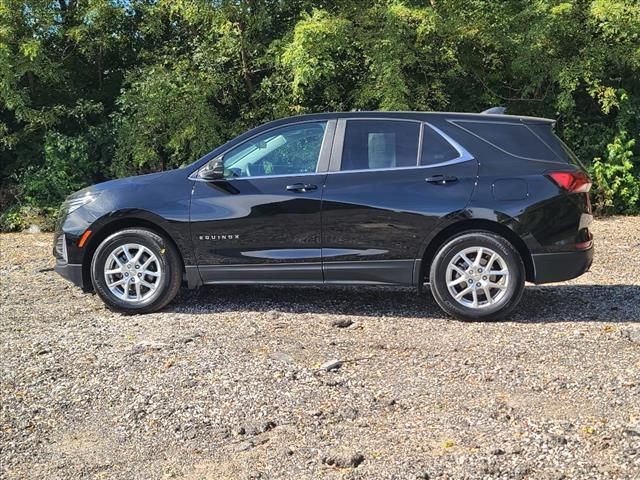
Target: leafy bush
(67,168)
(18,218)
(12,220)
(617,179)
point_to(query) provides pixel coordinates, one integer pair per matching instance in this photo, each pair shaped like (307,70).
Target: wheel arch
(112,227)
(461,226)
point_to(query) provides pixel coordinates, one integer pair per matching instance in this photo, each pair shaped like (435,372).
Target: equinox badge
(219,237)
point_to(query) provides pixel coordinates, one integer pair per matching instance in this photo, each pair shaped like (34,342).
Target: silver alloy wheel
(477,277)
(133,273)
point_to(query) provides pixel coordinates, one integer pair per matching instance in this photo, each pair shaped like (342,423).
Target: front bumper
(71,272)
(558,267)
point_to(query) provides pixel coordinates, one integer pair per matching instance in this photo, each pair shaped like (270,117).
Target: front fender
(176,229)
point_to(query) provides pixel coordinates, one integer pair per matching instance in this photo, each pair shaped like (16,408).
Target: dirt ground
(227,382)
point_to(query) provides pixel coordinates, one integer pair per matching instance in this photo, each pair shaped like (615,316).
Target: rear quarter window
(562,151)
(513,138)
(435,149)
(571,157)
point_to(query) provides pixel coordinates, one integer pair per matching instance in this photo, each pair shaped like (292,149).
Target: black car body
(347,198)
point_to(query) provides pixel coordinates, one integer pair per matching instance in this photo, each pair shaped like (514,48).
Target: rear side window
(512,138)
(375,144)
(435,149)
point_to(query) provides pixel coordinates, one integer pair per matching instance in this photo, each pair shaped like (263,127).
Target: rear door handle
(301,187)
(441,179)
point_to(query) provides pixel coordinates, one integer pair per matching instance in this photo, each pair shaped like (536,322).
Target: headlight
(77,202)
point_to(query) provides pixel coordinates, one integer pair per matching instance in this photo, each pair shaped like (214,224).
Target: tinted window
(514,139)
(372,144)
(435,149)
(572,157)
(558,146)
(288,150)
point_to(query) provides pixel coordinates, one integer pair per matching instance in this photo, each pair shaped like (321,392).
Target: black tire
(165,252)
(479,238)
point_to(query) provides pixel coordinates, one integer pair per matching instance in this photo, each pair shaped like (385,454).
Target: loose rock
(331,365)
(344,460)
(342,323)
(631,334)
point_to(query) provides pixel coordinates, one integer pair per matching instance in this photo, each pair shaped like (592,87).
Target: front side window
(375,144)
(290,150)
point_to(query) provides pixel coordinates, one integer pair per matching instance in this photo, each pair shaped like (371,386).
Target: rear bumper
(71,272)
(557,267)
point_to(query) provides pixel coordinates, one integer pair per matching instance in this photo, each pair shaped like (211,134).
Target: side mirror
(213,170)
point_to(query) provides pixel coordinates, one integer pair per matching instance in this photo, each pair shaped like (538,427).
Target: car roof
(424,116)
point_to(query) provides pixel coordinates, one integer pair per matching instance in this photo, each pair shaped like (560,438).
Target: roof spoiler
(529,120)
(495,110)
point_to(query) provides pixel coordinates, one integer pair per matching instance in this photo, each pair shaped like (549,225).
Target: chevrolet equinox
(473,205)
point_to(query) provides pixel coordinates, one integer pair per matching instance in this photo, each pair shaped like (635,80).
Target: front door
(261,223)
(392,183)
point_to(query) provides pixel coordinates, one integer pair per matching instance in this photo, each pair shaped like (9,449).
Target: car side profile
(473,205)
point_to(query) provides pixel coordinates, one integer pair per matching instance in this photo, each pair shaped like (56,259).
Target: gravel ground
(309,383)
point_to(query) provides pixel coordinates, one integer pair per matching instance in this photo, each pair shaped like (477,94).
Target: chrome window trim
(324,155)
(463,153)
(420,143)
(435,165)
(194,175)
(336,150)
(234,179)
(413,167)
(338,145)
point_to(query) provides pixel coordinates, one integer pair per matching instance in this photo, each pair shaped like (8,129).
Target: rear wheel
(136,271)
(477,276)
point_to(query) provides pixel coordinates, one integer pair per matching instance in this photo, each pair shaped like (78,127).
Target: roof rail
(496,110)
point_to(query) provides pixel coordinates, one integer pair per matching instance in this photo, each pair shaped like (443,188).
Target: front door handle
(301,187)
(441,179)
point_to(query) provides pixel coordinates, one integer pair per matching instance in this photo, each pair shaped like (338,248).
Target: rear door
(390,183)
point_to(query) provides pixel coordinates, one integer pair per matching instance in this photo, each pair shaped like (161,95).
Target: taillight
(572,182)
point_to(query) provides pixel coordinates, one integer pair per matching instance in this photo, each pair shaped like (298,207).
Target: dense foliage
(92,89)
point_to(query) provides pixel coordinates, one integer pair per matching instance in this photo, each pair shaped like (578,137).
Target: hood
(130,182)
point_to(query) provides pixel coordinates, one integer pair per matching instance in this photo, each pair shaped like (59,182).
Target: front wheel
(136,271)
(477,276)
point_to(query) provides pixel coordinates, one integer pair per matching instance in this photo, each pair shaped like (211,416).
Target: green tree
(123,87)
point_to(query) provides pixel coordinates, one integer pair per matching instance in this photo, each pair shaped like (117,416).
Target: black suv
(472,204)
